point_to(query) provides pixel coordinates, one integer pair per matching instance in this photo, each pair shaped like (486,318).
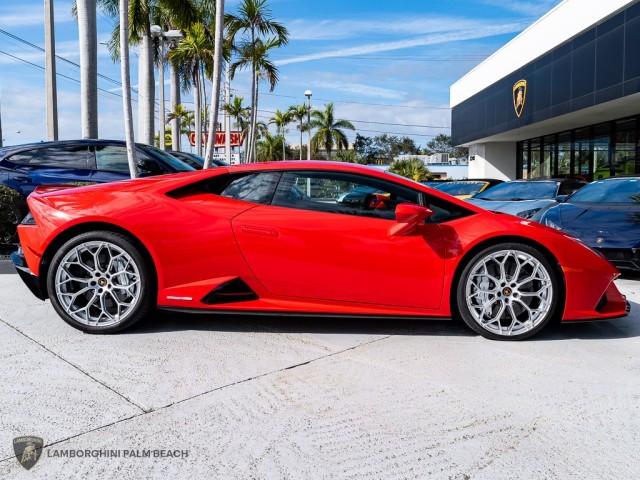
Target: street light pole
(308,94)
(170,36)
(50,71)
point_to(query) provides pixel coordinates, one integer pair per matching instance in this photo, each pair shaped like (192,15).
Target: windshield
(460,188)
(176,164)
(511,191)
(610,191)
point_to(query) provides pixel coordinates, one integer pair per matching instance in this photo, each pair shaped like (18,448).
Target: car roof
(29,146)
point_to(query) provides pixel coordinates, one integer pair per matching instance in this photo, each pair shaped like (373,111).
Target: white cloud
(20,15)
(533,9)
(360,89)
(433,39)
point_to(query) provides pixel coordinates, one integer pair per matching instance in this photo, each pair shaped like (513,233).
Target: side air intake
(230,292)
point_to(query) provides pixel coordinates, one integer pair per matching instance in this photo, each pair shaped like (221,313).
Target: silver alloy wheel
(509,292)
(97,283)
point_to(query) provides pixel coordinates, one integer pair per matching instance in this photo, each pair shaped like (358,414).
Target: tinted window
(112,158)
(520,191)
(256,188)
(62,157)
(344,193)
(175,164)
(611,191)
(22,157)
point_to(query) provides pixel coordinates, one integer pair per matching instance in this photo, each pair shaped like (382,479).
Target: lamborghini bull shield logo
(519,96)
(27,450)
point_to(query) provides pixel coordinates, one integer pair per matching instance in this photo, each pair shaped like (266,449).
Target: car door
(59,164)
(308,243)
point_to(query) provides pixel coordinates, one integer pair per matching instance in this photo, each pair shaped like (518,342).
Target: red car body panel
(304,261)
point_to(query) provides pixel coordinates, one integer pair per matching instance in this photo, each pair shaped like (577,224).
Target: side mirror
(408,217)
(150,167)
(561,198)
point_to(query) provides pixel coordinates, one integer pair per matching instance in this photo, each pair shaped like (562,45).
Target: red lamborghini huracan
(279,238)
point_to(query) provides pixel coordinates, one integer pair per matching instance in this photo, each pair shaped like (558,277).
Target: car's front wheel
(99,282)
(508,291)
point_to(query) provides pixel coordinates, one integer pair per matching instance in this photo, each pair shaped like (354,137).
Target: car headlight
(28,220)
(552,224)
(528,213)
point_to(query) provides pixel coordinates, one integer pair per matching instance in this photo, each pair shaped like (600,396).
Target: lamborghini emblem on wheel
(519,96)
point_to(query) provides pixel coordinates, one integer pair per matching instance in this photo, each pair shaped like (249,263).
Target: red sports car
(274,239)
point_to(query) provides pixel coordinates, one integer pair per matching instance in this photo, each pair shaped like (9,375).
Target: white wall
(493,160)
(564,22)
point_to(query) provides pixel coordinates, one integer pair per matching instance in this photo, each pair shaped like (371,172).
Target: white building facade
(561,99)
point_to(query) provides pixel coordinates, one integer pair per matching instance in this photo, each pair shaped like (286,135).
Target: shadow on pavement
(627,327)
(6,266)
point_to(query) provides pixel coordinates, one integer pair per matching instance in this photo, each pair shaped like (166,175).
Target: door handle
(260,231)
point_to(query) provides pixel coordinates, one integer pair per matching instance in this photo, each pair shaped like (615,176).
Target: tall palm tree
(215,84)
(194,54)
(182,13)
(254,20)
(240,115)
(267,147)
(281,119)
(255,55)
(88,44)
(329,131)
(126,88)
(299,113)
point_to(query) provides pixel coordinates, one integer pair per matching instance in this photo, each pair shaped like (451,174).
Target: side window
(255,188)
(112,158)
(342,193)
(61,157)
(22,158)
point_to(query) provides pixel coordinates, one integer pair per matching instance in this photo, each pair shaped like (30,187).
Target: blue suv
(24,167)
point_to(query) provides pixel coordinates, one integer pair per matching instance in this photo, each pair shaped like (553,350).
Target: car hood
(513,207)
(602,226)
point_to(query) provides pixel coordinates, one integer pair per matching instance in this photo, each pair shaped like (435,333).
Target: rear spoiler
(40,189)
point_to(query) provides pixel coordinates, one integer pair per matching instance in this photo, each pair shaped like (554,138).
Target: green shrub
(13,208)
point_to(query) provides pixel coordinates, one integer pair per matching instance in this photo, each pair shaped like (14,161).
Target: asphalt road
(220,397)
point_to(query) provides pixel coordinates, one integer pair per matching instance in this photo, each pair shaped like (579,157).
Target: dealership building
(560,99)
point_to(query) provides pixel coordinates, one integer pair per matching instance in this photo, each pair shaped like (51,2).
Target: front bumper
(622,258)
(30,280)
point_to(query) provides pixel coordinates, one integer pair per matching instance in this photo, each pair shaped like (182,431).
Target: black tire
(99,282)
(498,304)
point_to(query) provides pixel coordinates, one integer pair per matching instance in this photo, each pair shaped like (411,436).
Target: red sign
(236,139)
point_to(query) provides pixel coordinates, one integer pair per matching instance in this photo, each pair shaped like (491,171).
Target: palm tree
(186,119)
(181,13)
(413,168)
(281,120)
(329,130)
(255,20)
(299,113)
(256,56)
(194,54)
(240,115)
(267,147)
(88,44)
(126,88)
(215,85)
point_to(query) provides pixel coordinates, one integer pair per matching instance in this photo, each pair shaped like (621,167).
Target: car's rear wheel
(99,282)
(508,292)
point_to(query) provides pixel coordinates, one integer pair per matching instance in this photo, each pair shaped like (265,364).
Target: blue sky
(387,66)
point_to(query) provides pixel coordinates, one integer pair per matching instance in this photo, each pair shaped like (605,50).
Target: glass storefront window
(625,160)
(601,141)
(564,154)
(534,159)
(548,156)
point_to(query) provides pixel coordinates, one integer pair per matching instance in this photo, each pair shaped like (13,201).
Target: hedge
(13,208)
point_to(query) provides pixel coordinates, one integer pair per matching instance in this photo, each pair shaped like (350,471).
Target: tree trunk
(301,139)
(198,111)
(215,86)
(175,100)
(146,88)
(126,88)
(88,67)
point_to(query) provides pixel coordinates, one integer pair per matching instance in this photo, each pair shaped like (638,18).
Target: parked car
(606,216)
(433,256)
(23,167)
(466,188)
(525,198)
(196,161)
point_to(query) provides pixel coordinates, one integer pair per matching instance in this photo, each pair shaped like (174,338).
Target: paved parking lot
(241,397)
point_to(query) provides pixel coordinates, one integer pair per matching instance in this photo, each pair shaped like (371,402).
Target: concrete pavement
(247,397)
